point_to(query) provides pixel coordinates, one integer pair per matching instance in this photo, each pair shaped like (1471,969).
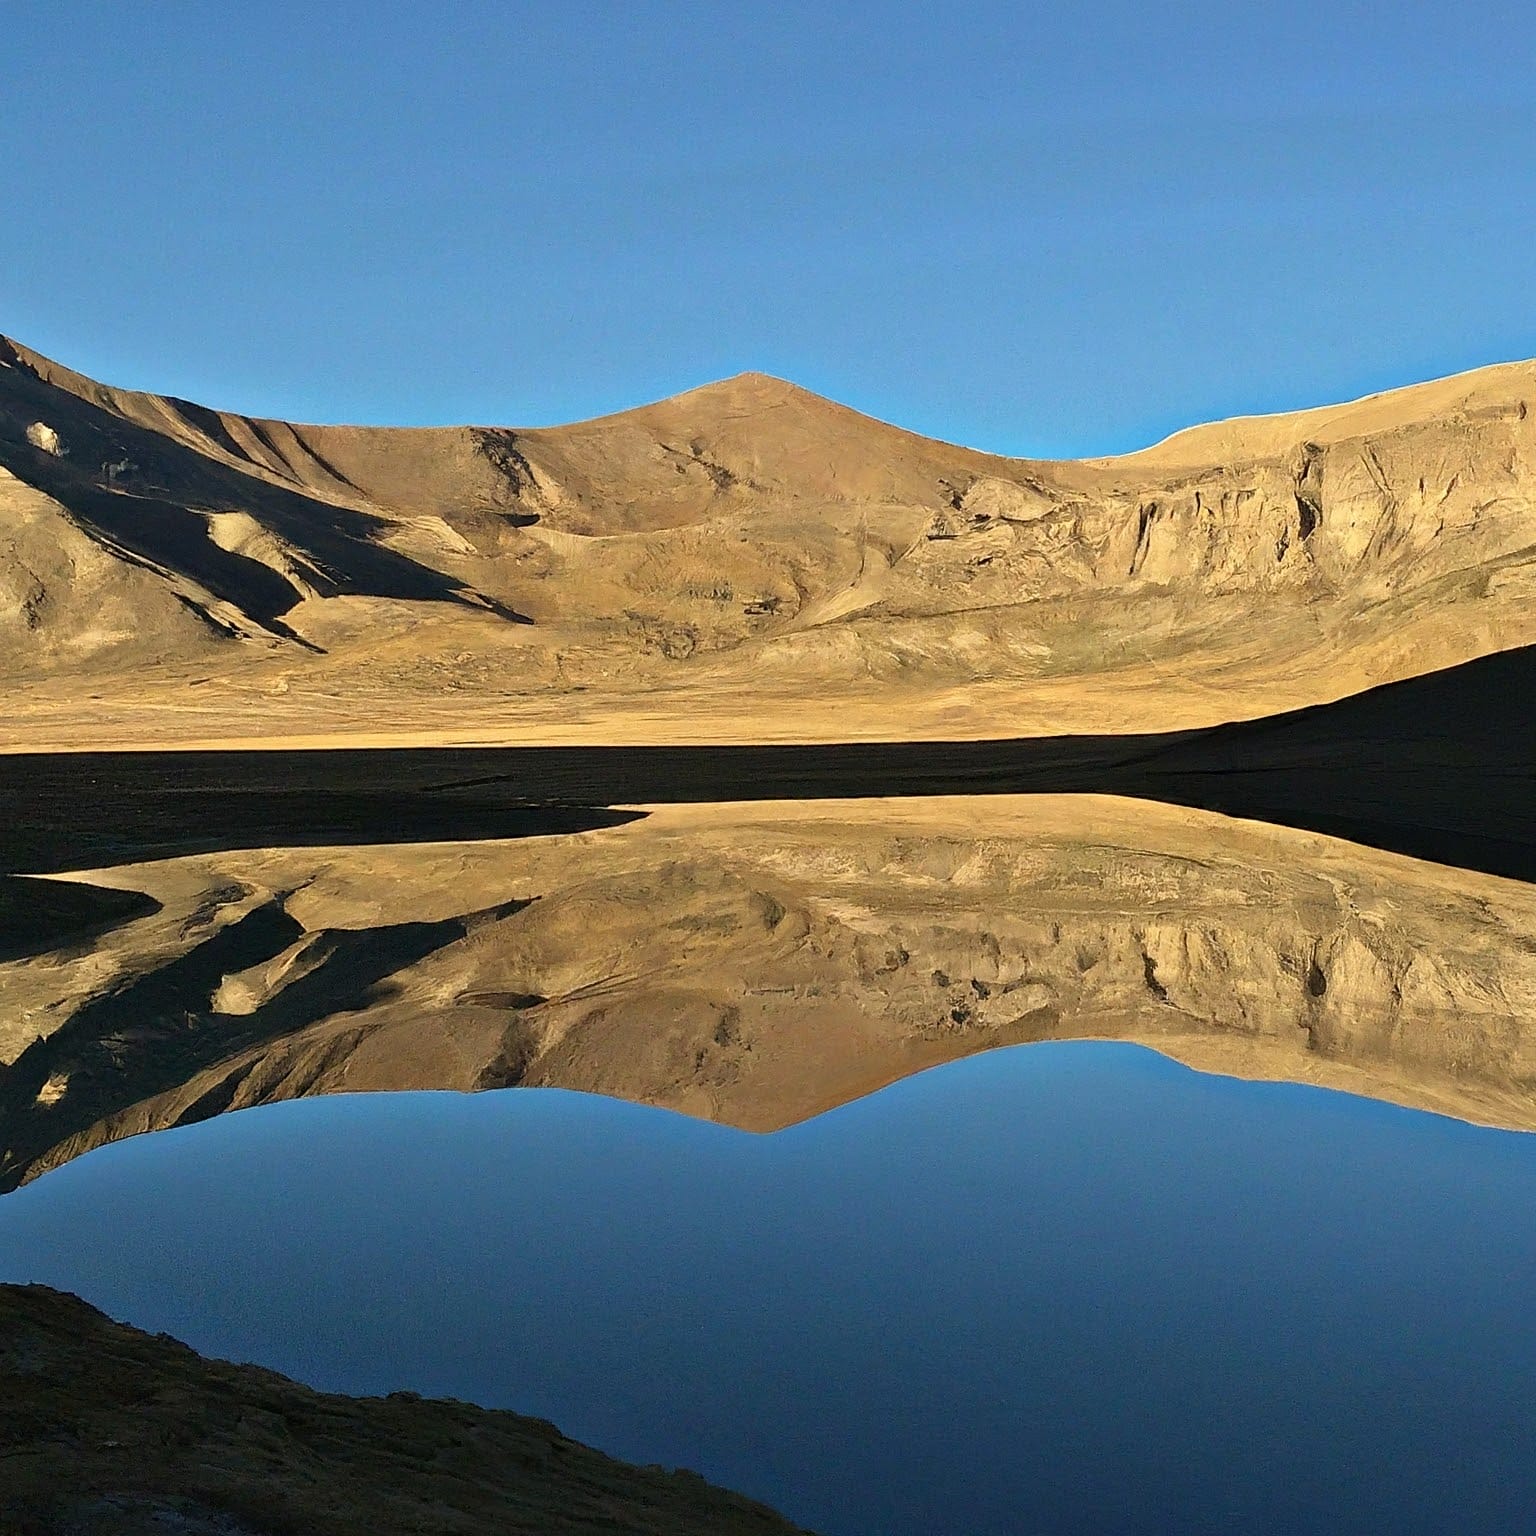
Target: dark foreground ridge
(1439,767)
(105,1431)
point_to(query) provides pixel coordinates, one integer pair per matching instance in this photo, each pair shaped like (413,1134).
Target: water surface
(1065,1288)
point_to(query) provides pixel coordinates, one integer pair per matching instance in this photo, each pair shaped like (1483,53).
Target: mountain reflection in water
(1058,1288)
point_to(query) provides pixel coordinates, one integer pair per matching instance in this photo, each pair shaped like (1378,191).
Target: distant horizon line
(1233,419)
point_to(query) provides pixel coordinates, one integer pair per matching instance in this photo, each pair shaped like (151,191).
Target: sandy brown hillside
(759,964)
(745,561)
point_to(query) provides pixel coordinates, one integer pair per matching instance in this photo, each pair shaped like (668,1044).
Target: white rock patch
(41,435)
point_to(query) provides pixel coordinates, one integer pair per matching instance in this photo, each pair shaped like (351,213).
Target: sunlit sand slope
(757,964)
(746,561)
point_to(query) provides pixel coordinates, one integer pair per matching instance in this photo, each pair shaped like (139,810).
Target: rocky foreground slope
(743,562)
(106,1431)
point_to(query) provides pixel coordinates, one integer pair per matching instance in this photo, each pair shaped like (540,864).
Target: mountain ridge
(1480,379)
(111,1430)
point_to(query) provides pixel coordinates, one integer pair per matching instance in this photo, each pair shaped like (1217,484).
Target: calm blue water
(1065,1288)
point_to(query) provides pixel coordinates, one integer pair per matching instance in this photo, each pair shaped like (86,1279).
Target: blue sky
(1047,230)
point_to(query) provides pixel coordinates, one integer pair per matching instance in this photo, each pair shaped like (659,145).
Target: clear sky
(1046,229)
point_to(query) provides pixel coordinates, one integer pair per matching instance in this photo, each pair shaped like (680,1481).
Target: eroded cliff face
(1306,570)
(762,562)
(757,965)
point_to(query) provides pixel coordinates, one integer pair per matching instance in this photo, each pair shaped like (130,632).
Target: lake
(1056,1288)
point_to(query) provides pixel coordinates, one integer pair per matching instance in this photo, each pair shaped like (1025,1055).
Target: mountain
(847,753)
(745,561)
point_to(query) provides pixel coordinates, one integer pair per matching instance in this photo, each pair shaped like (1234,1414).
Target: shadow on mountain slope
(91,811)
(162,1028)
(142,494)
(37,916)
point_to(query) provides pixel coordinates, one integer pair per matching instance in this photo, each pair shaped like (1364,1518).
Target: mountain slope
(747,561)
(108,1431)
